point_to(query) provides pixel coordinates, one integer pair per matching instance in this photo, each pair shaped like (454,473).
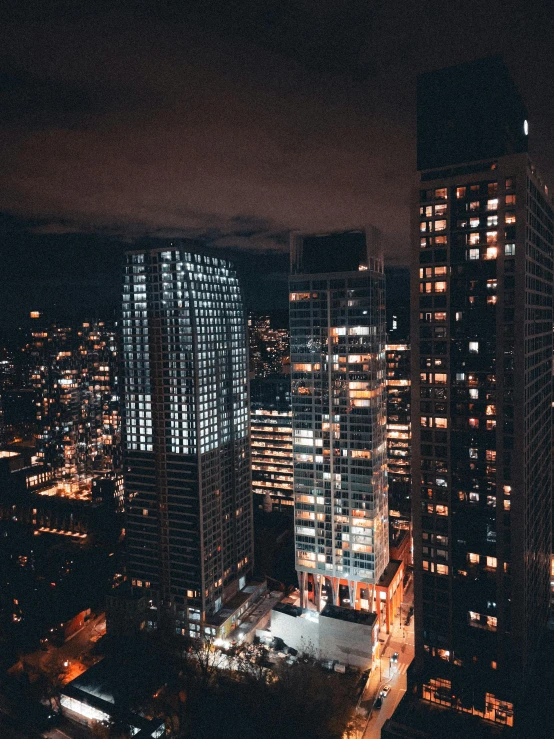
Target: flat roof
(233,605)
(364,618)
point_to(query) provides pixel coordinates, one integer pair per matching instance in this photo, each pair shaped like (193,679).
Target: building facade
(399,429)
(271,430)
(187,442)
(482,391)
(337,324)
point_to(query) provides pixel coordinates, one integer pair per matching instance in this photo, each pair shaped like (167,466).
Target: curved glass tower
(187,444)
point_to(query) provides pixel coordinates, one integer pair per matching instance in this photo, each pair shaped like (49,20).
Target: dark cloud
(242,122)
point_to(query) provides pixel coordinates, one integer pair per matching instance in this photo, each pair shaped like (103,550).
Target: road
(401,640)
(75,650)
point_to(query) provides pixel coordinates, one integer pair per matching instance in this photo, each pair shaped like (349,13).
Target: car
(378,703)
(385,691)
(394,658)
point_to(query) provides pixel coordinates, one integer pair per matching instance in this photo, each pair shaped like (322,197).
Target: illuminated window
(474,393)
(474,205)
(473,239)
(441,193)
(510,199)
(492,237)
(492,188)
(474,347)
(473,558)
(440,316)
(492,204)
(440,287)
(441,423)
(440,378)
(473,453)
(510,218)
(460,192)
(510,250)
(441,569)
(473,423)
(473,253)
(491,253)
(440,225)
(491,562)
(474,222)
(492,221)
(440,271)
(440,210)
(441,510)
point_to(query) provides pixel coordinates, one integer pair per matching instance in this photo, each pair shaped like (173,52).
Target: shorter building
(74,509)
(399,431)
(400,541)
(272,468)
(336,634)
(98,696)
(390,593)
(130,610)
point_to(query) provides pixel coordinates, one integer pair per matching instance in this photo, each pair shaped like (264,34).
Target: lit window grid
(353,320)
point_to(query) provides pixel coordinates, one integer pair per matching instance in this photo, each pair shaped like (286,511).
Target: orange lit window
(440,287)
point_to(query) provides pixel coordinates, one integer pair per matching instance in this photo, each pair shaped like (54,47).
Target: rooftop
(364,618)
(390,571)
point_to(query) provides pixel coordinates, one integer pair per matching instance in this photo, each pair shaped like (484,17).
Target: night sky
(234,125)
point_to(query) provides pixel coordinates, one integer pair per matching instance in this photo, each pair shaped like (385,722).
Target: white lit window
(474,347)
(473,254)
(510,250)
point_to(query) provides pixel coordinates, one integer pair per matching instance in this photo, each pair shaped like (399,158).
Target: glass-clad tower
(187,445)
(337,323)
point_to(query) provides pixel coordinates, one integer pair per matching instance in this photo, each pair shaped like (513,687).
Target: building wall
(399,427)
(349,643)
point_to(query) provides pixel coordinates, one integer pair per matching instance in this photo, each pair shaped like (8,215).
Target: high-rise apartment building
(399,430)
(337,324)
(482,393)
(271,430)
(187,443)
(74,374)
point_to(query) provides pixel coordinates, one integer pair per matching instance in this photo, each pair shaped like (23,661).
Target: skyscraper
(187,444)
(482,392)
(337,320)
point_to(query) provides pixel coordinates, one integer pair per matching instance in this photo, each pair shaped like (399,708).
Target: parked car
(385,691)
(379,702)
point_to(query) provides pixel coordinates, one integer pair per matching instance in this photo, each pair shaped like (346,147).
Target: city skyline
(277,370)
